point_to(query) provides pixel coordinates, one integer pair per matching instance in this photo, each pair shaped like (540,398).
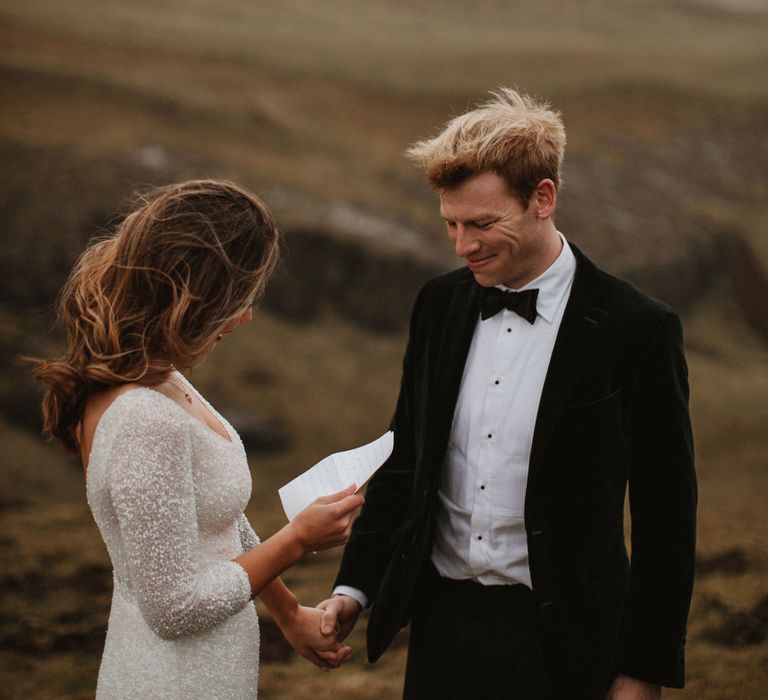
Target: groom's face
(491,230)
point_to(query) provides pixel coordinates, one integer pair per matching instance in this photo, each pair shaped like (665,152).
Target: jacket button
(536,533)
(546,603)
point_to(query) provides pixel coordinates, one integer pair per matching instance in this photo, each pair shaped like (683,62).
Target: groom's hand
(340,616)
(301,627)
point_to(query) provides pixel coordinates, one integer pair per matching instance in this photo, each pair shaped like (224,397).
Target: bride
(166,476)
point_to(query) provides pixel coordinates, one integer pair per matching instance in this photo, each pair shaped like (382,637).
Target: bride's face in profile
(245,317)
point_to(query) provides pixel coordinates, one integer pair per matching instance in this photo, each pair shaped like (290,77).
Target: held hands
(301,628)
(327,521)
(341,613)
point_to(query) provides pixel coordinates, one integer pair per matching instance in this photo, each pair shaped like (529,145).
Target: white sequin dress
(168,495)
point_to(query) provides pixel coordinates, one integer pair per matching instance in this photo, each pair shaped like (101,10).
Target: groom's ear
(544,199)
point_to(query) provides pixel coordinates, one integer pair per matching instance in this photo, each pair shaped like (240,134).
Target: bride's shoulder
(142,406)
(129,409)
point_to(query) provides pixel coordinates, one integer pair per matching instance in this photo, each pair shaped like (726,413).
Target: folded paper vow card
(334,473)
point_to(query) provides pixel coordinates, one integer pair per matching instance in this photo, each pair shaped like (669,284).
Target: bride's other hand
(301,627)
(327,521)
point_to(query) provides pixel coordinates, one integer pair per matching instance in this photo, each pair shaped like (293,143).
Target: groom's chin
(484,280)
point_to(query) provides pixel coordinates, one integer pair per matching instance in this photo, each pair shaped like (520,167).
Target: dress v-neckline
(202,426)
(211,410)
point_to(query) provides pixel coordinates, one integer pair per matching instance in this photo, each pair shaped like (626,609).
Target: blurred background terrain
(311,105)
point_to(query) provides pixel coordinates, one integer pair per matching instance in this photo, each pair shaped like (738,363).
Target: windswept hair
(513,135)
(187,260)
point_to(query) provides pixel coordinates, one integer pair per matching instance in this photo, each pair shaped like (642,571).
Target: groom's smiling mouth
(479,263)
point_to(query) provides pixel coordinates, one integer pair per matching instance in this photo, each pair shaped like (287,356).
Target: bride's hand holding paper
(327,521)
(321,519)
(334,472)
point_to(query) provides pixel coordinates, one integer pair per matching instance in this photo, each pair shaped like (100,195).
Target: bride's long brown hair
(185,262)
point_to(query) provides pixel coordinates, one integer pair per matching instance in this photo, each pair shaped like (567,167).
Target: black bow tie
(493,300)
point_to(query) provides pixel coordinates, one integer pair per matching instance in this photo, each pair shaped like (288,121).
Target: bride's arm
(297,623)
(153,494)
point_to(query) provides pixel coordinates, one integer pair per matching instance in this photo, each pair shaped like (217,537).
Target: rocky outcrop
(52,202)
(370,287)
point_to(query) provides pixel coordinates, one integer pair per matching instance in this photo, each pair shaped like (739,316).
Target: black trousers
(474,642)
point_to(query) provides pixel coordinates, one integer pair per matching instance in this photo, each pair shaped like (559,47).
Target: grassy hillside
(312,104)
(323,97)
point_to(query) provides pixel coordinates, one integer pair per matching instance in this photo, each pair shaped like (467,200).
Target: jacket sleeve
(377,530)
(662,493)
(152,491)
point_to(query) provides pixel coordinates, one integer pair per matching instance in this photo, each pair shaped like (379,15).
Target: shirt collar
(553,284)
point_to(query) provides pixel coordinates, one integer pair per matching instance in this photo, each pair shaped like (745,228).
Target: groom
(535,388)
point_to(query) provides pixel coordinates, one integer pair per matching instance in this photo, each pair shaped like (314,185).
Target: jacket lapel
(453,347)
(579,332)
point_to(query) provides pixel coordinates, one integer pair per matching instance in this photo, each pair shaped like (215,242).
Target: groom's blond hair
(513,135)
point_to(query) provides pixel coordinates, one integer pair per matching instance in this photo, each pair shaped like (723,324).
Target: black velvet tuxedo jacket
(613,411)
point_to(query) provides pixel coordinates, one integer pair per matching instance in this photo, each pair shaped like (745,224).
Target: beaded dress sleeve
(248,537)
(152,490)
